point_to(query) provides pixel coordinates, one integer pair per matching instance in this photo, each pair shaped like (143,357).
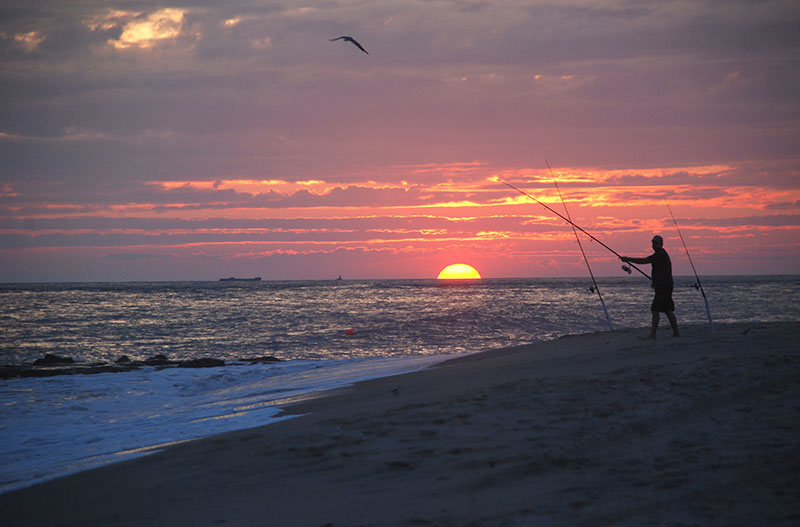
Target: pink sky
(189,142)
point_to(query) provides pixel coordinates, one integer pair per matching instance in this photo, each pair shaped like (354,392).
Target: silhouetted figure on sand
(662,284)
(352,41)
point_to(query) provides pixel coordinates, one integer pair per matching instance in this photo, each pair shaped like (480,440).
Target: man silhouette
(662,284)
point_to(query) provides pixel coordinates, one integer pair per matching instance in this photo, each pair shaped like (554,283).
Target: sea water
(326,334)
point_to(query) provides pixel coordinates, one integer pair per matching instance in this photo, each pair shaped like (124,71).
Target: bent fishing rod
(577,227)
(696,277)
(578,239)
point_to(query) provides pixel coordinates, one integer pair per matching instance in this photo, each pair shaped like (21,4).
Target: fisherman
(662,284)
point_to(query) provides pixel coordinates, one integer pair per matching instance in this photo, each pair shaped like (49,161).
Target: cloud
(784,205)
(174,232)
(137,256)
(139,30)
(777,220)
(29,41)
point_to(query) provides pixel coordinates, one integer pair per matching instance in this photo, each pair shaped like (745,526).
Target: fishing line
(698,285)
(575,226)
(578,239)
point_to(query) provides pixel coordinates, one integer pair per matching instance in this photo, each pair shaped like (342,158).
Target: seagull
(351,40)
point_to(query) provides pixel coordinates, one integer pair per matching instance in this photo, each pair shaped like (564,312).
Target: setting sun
(459,271)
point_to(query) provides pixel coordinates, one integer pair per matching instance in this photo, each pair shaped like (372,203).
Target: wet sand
(599,429)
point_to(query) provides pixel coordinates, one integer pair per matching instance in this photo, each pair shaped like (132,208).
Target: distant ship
(234,279)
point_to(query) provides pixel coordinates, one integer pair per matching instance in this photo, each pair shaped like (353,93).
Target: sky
(206,139)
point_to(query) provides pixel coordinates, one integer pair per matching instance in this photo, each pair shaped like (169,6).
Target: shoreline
(601,428)
(176,405)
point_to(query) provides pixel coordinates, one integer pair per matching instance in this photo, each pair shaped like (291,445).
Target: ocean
(326,334)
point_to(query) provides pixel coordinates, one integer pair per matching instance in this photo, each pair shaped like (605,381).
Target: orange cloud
(145,31)
(423,225)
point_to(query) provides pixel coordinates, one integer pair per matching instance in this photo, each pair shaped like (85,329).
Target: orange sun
(459,271)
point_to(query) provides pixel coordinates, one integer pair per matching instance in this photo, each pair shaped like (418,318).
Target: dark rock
(157,360)
(105,368)
(30,372)
(52,360)
(52,365)
(261,360)
(202,363)
(9,372)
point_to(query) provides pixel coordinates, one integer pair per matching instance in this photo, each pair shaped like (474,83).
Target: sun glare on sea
(459,271)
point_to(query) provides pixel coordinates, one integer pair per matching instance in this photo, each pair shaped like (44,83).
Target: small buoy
(350,332)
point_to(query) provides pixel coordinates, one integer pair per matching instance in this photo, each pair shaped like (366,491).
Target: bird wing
(352,40)
(358,45)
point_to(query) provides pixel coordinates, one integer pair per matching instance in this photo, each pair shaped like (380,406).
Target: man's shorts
(663,300)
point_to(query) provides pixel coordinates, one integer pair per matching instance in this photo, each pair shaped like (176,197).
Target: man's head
(658,241)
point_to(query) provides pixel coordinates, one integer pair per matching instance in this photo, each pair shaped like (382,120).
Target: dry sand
(600,429)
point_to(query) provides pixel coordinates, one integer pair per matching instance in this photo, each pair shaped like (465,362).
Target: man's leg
(656,318)
(674,323)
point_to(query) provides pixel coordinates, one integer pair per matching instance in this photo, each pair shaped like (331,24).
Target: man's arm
(635,260)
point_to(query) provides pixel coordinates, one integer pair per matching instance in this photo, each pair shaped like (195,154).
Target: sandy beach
(598,429)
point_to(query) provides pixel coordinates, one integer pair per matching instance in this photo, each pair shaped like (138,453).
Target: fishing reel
(626,269)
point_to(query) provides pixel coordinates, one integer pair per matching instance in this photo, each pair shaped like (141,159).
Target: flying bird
(351,40)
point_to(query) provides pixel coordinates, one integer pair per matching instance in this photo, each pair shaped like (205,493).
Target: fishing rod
(624,267)
(698,285)
(578,239)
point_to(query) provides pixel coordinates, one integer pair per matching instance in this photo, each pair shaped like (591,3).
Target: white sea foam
(58,425)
